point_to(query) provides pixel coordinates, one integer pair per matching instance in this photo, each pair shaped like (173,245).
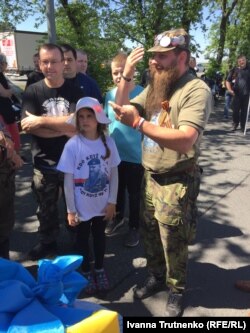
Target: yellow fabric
(102,321)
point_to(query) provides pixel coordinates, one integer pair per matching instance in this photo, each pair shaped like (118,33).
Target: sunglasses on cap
(166,41)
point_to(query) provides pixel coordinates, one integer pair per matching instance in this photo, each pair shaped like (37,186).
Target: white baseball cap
(93,104)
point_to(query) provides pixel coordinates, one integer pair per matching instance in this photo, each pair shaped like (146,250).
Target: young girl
(89,161)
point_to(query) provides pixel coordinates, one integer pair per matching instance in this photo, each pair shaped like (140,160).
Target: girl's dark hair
(101,131)
(101,128)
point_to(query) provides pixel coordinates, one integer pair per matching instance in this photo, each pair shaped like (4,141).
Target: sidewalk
(219,257)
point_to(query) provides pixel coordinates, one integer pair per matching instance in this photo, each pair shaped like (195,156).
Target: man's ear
(183,57)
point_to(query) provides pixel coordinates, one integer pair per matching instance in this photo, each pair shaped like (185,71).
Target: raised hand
(135,56)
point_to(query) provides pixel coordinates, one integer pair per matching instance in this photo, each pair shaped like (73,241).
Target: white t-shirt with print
(91,173)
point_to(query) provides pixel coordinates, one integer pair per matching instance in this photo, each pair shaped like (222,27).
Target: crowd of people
(138,142)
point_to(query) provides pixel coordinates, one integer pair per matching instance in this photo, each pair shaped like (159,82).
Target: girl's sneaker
(102,282)
(90,289)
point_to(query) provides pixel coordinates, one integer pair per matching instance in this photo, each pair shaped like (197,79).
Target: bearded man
(171,112)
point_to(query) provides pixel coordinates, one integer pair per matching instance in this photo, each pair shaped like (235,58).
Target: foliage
(229,35)
(239,32)
(104,27)
(6,26)
(79,25)
(14,12)
(139,21)
(117,24)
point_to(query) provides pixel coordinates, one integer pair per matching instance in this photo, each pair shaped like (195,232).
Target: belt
(173,173)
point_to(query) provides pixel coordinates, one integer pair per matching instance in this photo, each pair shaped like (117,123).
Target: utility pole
(50,13)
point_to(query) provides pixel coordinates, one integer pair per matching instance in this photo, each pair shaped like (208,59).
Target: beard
(160,88)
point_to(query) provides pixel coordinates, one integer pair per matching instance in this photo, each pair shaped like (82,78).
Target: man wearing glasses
(46,107)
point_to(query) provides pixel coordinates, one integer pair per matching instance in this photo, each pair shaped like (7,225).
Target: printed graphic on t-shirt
(56,107)
(150,145)
(97,181)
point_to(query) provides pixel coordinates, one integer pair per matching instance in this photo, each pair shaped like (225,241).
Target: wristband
(126,78)
(137,124)
(141,121)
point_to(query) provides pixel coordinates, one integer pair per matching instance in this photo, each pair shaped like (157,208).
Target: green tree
(138,21)
(6,26)
(237,41)
(227,8)
(229,33)
(15,12)
(80,24)
(104,27)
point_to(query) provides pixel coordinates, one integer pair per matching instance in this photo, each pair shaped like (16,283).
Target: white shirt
(91,173)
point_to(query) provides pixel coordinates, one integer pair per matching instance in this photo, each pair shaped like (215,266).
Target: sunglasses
(166,41)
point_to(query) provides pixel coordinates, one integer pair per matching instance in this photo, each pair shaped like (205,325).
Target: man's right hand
(31,122)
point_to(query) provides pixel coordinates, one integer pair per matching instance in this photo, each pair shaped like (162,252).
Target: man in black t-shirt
(47,105)
(238,85)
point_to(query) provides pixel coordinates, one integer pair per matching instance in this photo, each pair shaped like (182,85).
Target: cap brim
(159,48)
(101,118)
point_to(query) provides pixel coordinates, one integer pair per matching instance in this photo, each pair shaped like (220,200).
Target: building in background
(19,47)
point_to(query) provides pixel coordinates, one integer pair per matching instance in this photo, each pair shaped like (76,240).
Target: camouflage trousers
(7,197)
(169,219)
(48,188)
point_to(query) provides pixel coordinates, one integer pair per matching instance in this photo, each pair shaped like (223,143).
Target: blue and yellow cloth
(48,304)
